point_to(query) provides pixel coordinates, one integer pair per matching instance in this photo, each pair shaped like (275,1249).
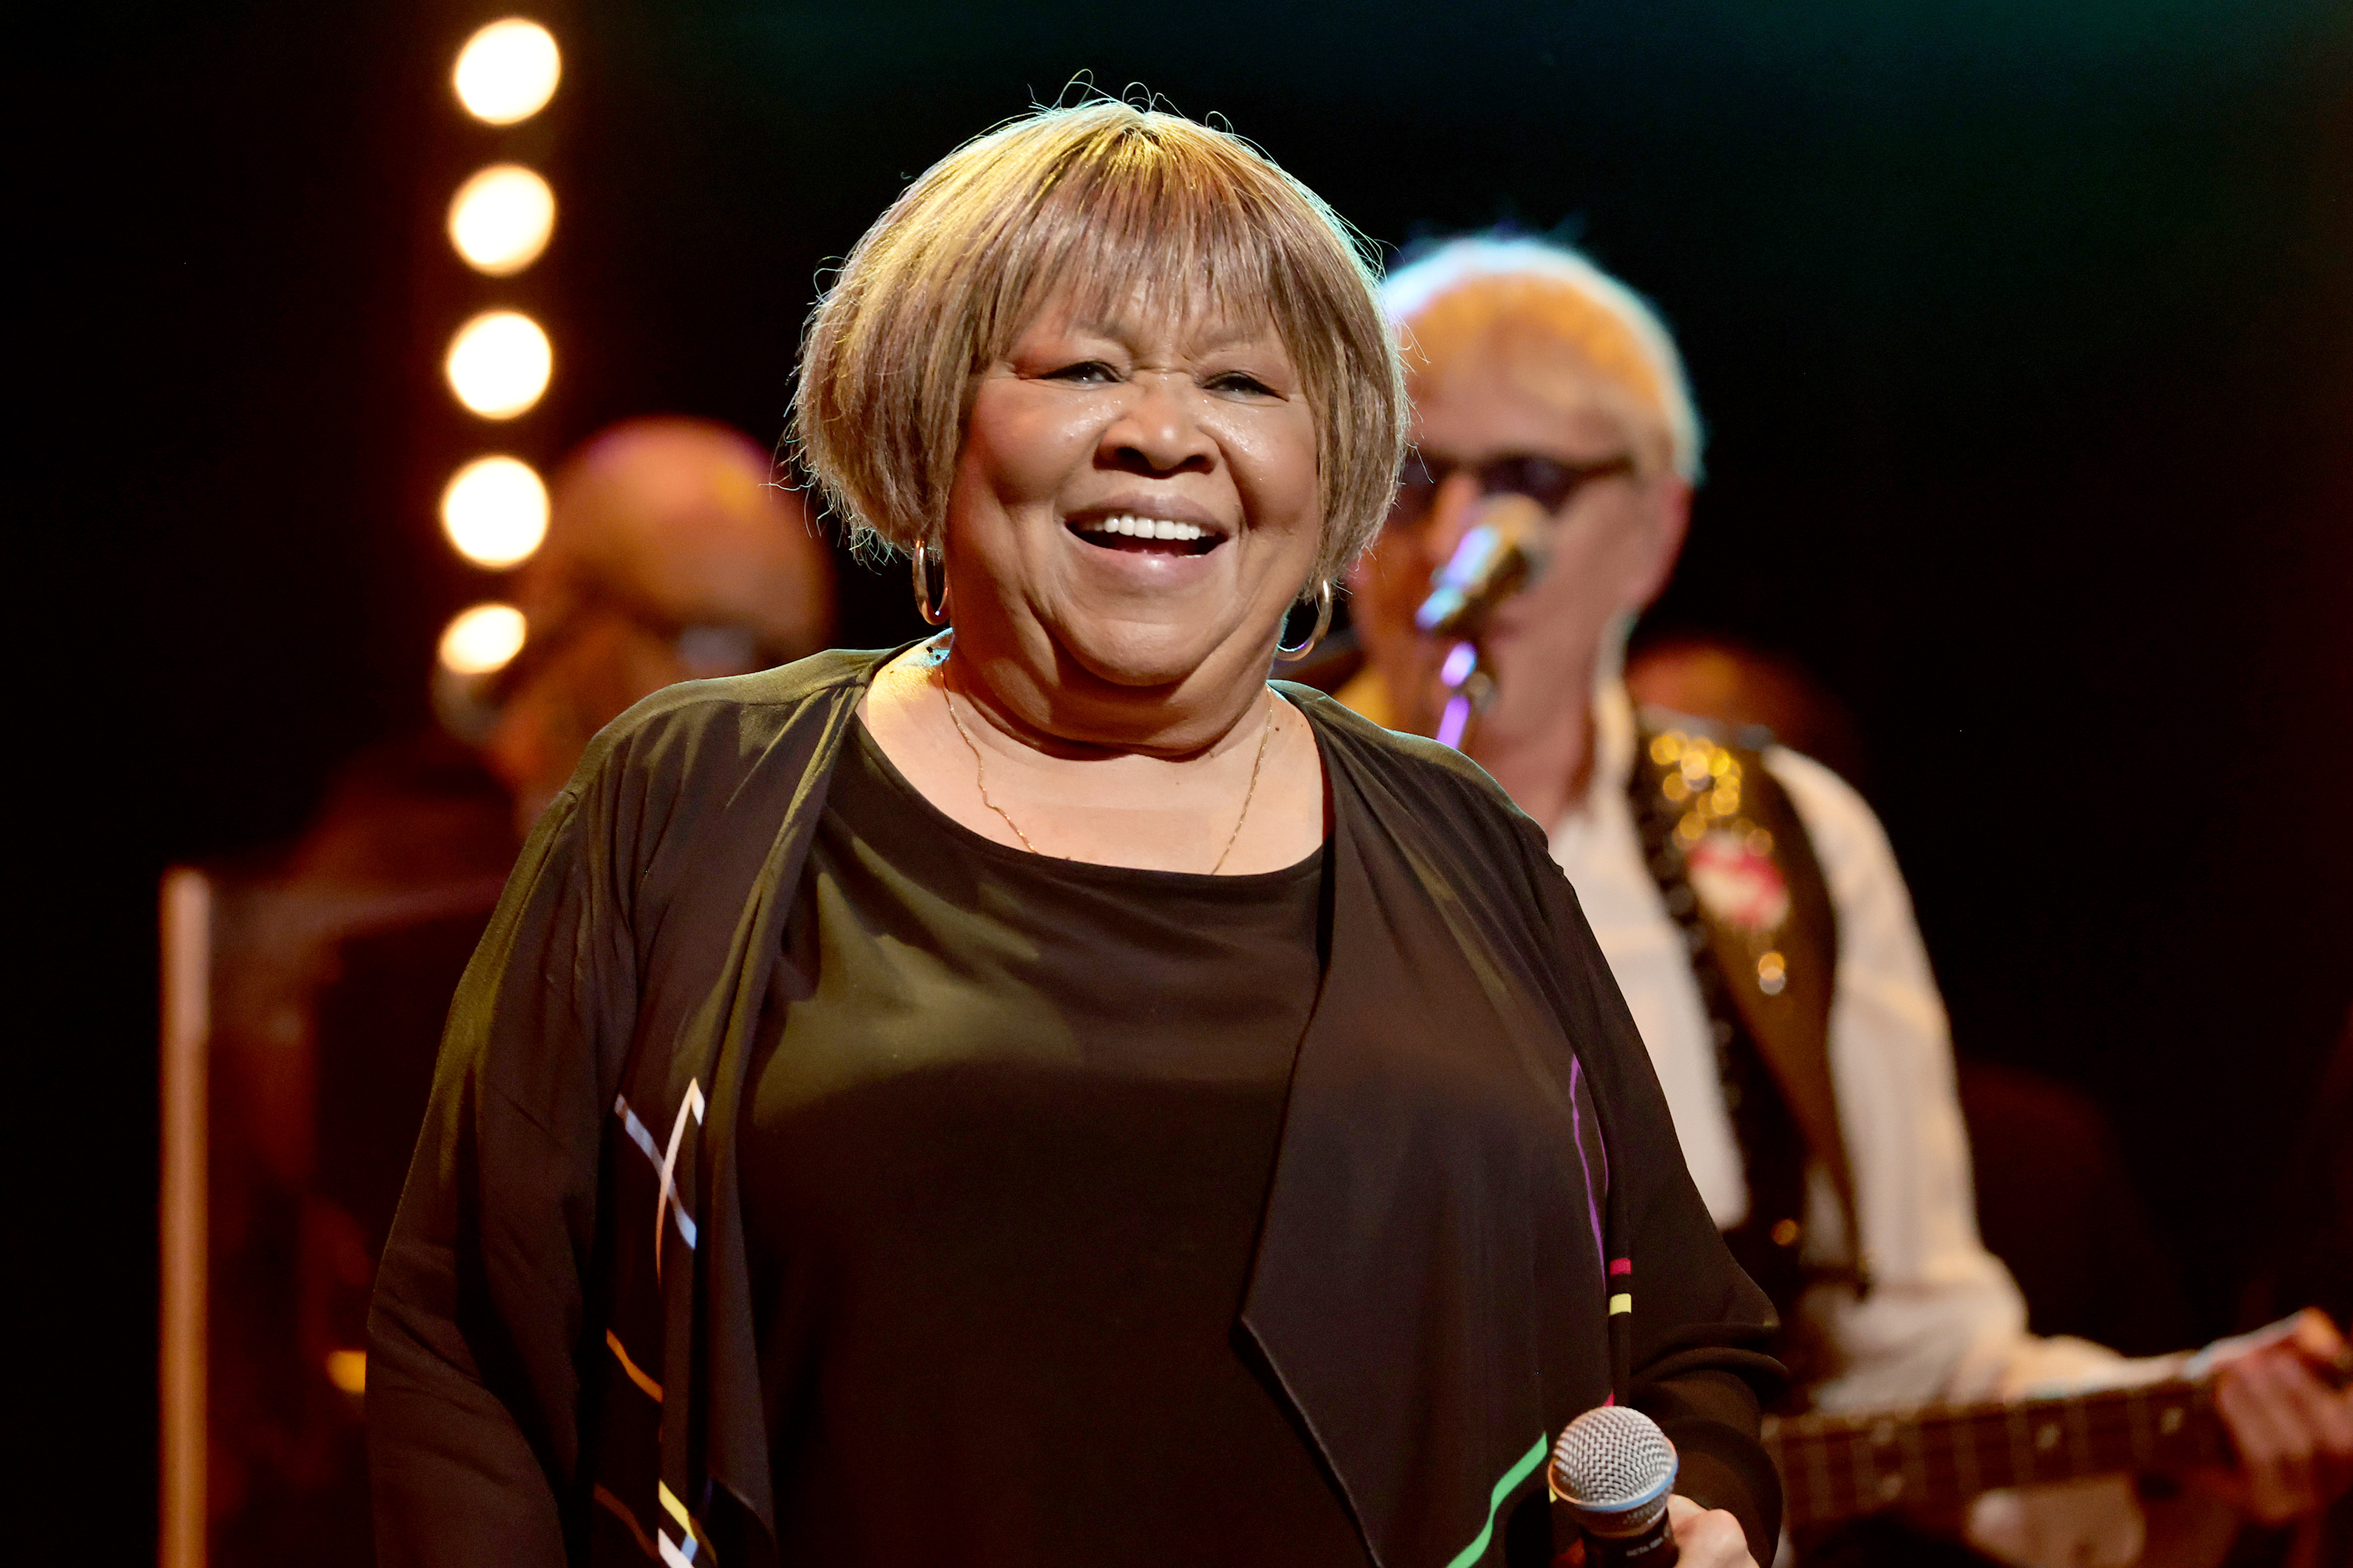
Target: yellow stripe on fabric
(1512,1478)
(636,1374)
(686,1530)
(1623,1302)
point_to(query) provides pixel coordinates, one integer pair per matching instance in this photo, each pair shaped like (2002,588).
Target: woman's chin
(1141,657)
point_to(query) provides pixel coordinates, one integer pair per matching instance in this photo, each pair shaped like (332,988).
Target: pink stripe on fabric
(1577,1131)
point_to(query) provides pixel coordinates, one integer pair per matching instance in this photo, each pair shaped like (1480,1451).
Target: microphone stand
(1469,686)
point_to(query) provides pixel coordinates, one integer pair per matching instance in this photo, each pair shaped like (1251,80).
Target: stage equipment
(500,219)
(494,511)
(499,364)
(299,1013)
(507,72)
(482,640)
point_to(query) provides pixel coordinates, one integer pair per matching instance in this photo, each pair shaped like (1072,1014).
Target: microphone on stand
(1502,553)
(1613,1470)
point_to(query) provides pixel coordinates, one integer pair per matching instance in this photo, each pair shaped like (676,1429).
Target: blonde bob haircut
(1112,203)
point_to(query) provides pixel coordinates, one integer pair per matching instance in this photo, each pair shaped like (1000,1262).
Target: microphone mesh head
(1611,1458)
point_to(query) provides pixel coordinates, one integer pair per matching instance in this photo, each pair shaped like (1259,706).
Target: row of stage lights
(494,509)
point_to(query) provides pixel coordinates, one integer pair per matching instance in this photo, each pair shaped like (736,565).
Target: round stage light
(499,219)
(482,640)
(498,363)
(508,72)
(495,511)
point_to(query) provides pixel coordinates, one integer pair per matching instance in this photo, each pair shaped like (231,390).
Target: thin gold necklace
(980,775)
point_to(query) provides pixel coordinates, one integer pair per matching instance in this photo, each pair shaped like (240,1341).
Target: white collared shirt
(1943,1319)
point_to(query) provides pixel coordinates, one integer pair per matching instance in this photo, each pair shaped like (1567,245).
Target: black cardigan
(561,1364)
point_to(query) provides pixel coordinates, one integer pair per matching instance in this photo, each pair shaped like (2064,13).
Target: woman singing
(1046,1096)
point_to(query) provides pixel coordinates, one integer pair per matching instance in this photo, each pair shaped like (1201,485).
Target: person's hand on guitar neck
(2284,1395)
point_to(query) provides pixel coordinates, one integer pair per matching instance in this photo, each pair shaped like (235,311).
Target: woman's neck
(1067,712)
(1248,798)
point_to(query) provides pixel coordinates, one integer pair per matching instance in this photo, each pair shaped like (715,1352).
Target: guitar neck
(1937,1458)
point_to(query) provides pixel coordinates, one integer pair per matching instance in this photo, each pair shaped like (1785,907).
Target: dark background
(2024,332)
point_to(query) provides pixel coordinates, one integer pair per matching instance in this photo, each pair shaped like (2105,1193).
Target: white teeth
(1148,528)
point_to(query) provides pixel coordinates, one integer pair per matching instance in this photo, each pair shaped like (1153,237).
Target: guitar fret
(1916,1457)
(2022,1448)
(1886,1486)
(1866,1484)
(1818,1467)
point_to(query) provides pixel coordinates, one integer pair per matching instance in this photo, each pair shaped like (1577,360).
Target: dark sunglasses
(1548,482)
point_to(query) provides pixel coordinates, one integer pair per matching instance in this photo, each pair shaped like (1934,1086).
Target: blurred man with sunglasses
(1746,898)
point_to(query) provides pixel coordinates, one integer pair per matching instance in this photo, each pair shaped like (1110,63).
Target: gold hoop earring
(1323,625)
(922,556)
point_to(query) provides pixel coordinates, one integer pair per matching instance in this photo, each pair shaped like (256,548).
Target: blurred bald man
(669,556)
(1746,898)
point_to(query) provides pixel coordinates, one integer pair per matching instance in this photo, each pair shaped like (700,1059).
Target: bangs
(1132,223)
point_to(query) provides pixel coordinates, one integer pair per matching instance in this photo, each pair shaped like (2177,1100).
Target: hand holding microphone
(1614,1472)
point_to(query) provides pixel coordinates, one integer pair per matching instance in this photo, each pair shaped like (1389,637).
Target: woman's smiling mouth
(1151,535)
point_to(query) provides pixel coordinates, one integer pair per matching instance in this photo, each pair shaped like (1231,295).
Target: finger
(2255,1437)
(2319,1423)
(2274,1462)
(2320,1342)
(2326,1413)
(1707,1537)
(2325,1416)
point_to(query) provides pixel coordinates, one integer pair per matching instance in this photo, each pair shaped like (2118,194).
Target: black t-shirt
(1003,1161)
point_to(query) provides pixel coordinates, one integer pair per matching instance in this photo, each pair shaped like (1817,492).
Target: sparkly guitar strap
(1741,892)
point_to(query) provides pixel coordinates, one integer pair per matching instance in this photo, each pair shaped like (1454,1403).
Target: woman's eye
(1093,372)
(1242,381)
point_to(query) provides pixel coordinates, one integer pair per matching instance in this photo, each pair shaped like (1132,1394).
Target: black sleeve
(1696,1339)
(1709,1412)
(474,1331)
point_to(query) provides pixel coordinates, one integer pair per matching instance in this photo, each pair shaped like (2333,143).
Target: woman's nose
(1160,430)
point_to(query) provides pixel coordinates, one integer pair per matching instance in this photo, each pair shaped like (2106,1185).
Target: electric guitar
(1937,1457)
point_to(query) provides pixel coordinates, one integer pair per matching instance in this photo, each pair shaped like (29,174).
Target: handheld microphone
(1495,560)
(1613,1470)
